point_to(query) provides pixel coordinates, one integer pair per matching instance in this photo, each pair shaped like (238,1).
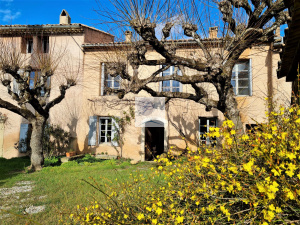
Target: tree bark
(231,110)
(37,157)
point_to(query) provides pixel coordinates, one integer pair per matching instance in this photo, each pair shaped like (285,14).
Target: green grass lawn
(59,189)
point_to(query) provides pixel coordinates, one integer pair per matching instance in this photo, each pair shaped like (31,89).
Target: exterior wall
(93,36)
(180,114)
(84,100)
(66,48)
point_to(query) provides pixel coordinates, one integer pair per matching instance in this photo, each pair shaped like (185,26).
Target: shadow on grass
(12,167)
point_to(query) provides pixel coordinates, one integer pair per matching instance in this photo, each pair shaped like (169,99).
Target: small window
(241,78)
(45,44)
(252,128)
(29,45)
(109,81)
(107,131)
(204,124)
(35,78)
(171,85)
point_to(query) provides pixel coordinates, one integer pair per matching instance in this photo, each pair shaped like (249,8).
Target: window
(102,130)
(27,45)
(108,81)
(105,129)
(252,128)
(171,85)
(34,78)
(204,124)
(43,44)
(241,78)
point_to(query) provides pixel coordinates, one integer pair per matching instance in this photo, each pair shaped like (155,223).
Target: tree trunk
(37,157)
(232,112)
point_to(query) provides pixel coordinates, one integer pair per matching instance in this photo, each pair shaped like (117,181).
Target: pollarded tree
(27,83)
(241,23)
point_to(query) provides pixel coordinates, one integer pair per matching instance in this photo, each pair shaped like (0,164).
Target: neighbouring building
(90,113)
(64,39)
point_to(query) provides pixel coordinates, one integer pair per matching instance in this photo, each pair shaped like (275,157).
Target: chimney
(277,32)
(64,17)
(128,36)
(213,32)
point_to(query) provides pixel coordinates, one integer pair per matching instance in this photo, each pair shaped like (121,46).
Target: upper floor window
(43,44)
(27,45)
(108,81)
(34,78)
(241,78)
(204,124)
(171,85)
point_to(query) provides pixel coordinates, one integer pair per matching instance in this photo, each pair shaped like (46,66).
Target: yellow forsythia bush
(248,179)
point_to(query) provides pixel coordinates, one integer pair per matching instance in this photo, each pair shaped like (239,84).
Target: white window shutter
(102,79)
(23,137)
(93,130)
(115,132)
(16,87)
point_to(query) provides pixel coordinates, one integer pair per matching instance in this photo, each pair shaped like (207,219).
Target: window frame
(207,141)
(104,80)
(105,130)
(37,75)
(171,68)
(237,79)
(94,134)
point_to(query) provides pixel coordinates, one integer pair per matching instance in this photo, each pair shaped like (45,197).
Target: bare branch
(20,111)
(58,99)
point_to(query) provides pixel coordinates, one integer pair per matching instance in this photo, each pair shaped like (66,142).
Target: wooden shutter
(102,79)
(93,130)
(115,132)
(23,137)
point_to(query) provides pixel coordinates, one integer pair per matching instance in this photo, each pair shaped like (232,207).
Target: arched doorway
(154,139)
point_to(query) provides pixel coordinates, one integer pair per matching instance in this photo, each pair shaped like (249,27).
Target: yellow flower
(125,216)
(154,221)
(248,166)
(158,211)
(140,216)
(179,219)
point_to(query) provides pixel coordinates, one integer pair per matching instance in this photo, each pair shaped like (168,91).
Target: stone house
(90,113)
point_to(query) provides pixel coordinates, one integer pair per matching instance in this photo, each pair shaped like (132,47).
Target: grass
(60,189)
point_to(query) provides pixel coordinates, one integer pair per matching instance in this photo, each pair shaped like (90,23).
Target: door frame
(165,123)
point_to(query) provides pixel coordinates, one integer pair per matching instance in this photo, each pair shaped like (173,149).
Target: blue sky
(31,12)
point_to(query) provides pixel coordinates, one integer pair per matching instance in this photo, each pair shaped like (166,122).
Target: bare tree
(31,101)
(241,25)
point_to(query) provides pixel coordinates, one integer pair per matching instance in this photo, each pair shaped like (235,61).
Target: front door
(154,142)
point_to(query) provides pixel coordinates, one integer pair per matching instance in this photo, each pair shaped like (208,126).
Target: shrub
(51,161)
(252,179)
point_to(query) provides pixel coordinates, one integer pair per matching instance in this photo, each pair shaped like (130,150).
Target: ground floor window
(103,130)
(204,124)
(252,128)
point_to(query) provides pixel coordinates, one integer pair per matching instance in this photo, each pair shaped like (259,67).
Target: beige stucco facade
(181,116)
(65,42)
